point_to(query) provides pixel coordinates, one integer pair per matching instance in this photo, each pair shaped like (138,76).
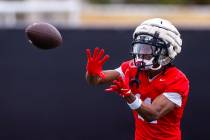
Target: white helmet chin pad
(167,32)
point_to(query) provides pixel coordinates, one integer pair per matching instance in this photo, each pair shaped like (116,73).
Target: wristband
(136,104)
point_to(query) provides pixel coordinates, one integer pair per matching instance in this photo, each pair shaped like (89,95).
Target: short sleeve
(174,97)
(119,70)
(122,69)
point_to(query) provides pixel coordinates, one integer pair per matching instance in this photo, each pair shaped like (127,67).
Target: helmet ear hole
(174,48)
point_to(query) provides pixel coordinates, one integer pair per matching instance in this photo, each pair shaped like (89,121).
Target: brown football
(43,35)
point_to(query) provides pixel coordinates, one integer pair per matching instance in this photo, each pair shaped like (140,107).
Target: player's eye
(140,56)
(144,56)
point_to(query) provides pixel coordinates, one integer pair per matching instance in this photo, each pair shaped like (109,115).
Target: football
(43,35)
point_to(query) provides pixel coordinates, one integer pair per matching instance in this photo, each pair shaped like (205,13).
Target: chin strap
(159,67)
(135,81)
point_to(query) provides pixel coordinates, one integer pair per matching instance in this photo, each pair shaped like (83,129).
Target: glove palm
(95,63)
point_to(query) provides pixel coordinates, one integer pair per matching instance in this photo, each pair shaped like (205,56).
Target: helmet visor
(139,48)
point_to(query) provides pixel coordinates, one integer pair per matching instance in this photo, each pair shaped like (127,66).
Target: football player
(153,88)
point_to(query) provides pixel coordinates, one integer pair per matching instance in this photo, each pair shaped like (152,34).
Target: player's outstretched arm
(94,69)
(150,112)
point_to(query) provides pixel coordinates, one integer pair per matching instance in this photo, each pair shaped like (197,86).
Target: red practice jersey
(172,80)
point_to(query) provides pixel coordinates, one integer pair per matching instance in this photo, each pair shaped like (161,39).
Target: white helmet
(162,36)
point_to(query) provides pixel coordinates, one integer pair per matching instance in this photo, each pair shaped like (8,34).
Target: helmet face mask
(146,49)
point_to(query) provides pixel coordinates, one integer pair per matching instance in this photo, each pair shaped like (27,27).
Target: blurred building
(114,13)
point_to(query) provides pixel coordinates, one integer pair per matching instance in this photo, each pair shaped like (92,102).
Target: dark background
(44,95)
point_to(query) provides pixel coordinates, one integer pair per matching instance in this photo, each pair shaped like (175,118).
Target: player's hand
(95,62)
(119,87)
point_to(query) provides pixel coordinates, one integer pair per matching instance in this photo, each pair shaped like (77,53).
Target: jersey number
(149,102)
